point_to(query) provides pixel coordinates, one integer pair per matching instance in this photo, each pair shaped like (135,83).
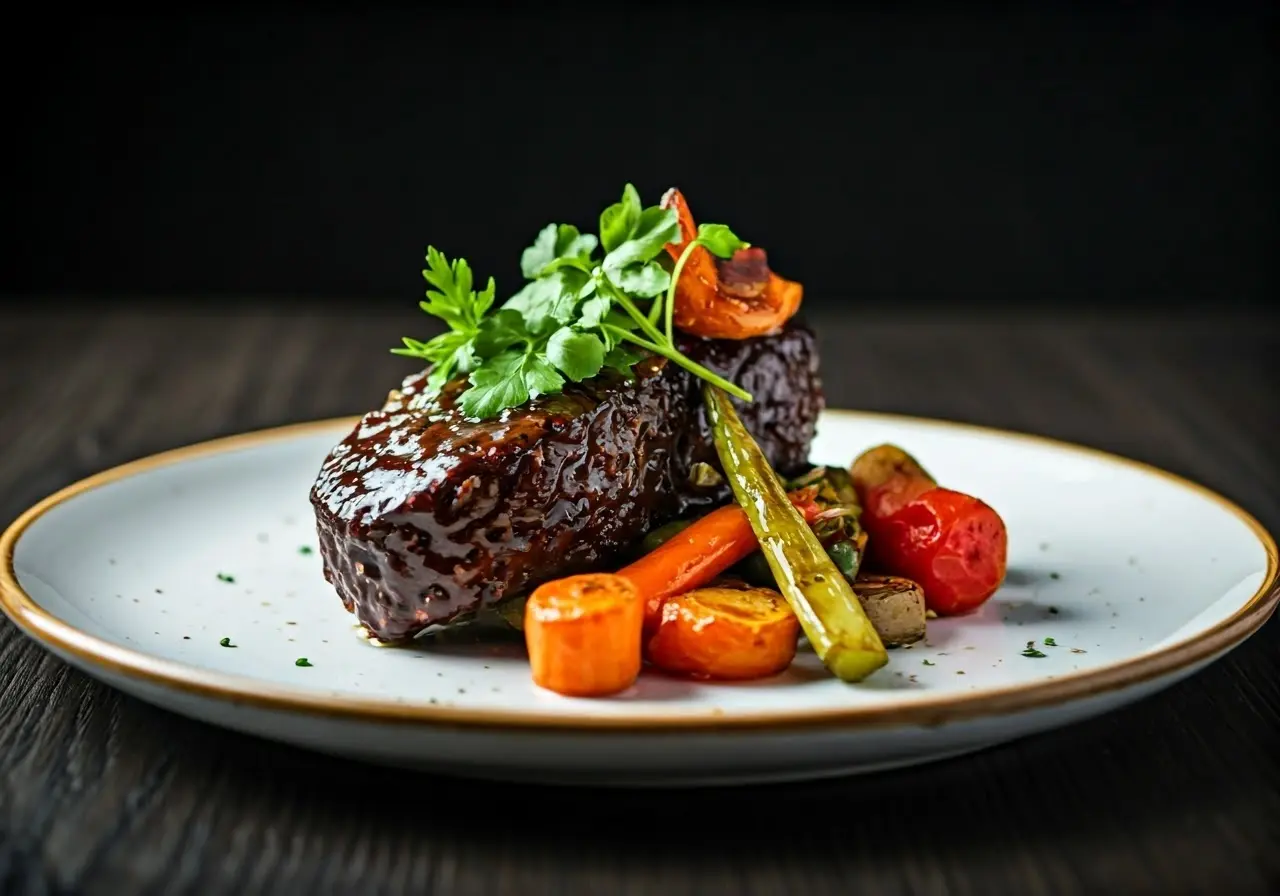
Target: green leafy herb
(647,240)
(302,661)
(644,281)
(1054,575)
(622,359)
(556,241)
(1032,652)
(305,549)
(498,384)
(1049,642)
(929,663)
(224,577)
(579,314)
(458,304)
(226,642)
(620,220)
(580,355)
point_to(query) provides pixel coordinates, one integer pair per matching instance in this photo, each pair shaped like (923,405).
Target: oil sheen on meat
(424,517)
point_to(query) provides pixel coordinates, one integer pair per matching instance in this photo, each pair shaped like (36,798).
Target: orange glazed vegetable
(733,299)
(725,633)
(698,554)
(583,634)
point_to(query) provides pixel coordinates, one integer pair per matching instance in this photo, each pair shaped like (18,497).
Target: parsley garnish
(305,549)
(928,663)
(302,661)
(1032,652)
(1049,642)
(226,642)
(578,314)
(224,577)
(460,306)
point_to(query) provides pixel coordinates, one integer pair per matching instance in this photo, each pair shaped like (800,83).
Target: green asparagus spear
(830,615)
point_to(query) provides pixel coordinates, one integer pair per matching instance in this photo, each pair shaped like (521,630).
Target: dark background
(272,177)
(930,155)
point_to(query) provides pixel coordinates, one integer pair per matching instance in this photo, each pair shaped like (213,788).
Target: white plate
(1141,579)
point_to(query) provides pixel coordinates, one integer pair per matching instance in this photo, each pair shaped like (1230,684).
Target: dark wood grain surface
(102,794)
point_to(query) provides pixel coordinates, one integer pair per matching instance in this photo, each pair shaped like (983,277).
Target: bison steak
(425,517)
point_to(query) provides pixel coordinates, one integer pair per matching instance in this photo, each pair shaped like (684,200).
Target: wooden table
(102,794)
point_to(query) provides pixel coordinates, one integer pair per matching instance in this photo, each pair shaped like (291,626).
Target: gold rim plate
(96,653)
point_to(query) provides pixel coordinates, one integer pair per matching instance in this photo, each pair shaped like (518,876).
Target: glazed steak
(425,517)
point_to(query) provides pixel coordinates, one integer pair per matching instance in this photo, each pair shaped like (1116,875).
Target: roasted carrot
(583,634)
(695,556)
(725,633)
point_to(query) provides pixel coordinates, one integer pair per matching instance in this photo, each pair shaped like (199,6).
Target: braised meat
(424,517)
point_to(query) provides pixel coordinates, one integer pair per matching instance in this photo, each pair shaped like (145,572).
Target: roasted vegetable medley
(600,458)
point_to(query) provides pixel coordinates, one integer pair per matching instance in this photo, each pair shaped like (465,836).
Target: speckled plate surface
(190,580)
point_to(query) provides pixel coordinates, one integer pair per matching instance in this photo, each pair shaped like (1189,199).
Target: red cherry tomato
(951,544)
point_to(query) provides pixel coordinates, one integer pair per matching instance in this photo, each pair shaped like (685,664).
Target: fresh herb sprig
(460,306)
(578,314)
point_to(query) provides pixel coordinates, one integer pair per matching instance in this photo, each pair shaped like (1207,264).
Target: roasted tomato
(733,298)
(953,545)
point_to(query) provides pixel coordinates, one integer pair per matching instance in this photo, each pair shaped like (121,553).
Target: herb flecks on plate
(591,303)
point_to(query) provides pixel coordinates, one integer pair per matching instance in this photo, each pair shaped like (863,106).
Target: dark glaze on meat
(424,517)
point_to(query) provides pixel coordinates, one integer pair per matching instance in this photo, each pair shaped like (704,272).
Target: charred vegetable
(836,525)
(895,607)
(831,616)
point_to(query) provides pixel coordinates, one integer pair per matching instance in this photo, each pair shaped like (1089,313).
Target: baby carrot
(725,633)
(698,554)
(583,634)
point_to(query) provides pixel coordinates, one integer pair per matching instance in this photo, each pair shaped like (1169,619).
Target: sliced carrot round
(583,634)
(725,633)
